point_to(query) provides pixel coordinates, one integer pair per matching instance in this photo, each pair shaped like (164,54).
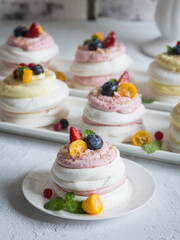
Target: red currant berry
(178,43)
(57,127)
(15,74)
(47,193)
(159,135)
(31,65)
(22,65)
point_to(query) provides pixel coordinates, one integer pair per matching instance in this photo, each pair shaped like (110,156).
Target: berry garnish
(110,40)
(74,134)
(37,69)
(94,44)
(64,123)
(109,88)
(15,74)
(124,78)
(33,31)
(175,50)
(23,65)
(94,142)
(31,65)
(57,127)
(178,43)
(158,135)
(20,31)
(47,193)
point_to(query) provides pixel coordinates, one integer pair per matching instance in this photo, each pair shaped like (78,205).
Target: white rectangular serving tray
(153,121)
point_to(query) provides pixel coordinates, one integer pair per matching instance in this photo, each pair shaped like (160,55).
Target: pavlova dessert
(27,45)
(114,110)
(32,96)
(174,130)
(164,76)
(98,60)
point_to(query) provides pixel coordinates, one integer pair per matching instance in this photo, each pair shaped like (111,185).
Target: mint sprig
(169,49)
(20,72)
(152,147)
(87,41)
(113,80)
(69,204)
(147,101)
(86,133)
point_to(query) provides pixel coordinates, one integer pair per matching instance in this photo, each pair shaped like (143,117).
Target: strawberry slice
(110,40)
(74,134)
(124,78)
(33,31)
(178,43)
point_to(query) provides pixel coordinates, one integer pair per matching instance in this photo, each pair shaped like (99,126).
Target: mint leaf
(55,204)
(86,41)
(75,207)
(169,49)
(113,80)
(86,133)
(94,37)
(20,72)
(69,196)
(147,101)
(152,147)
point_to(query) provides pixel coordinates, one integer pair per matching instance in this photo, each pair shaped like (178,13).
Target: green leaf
(75,207)
(69,196)
(147,101)
(86,133)
(20,72)
(113,80)
(94,37)
(87,41)
(55,204)
(169,49)
(153,146)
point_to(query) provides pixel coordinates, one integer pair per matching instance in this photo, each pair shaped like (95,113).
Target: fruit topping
(94,44)
(93,204)
(20,31)
(98,35)
(74,134)
(20,72)
(109,88)
(77,147)
(27,76)
(127,90)
(37,69)
(15,74)
(110,40)
(158,135)
(94,141)
(31,65)
(175,50)
(124,78)
(57,127)
(40,29)
(47,193)
(141,138)
(178,43)
(64,123)
(60,76)
(33,31)
(23,65)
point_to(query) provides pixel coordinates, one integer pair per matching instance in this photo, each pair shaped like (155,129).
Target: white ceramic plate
(153,121)
(140,184)
(140,79)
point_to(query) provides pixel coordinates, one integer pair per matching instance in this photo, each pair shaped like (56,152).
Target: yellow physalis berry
(93,204)
(27,76)
(141,138)
(77,147)
(98,35)
(127,90)
(40,29)
(60,76)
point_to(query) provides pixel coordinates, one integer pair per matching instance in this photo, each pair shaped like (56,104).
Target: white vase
(167,18)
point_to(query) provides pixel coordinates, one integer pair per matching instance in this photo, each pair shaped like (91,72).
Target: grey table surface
(159,219)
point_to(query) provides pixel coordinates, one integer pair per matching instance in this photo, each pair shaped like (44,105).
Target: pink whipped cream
(113,104)
(96,80)
(88,159)
(101,55)
(31,44)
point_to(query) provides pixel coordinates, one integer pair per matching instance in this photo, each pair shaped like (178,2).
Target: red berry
(58,126)
(74,135)
(23,65)
(47,193)
(110,40)
(124,78)
(31,65)
(158,135)
(15,74)
(33,31)
(178,43)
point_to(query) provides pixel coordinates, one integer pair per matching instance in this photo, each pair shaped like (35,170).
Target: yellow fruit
(40,29)
(77,147)
(127,90)
(27,76)
(93,204)
(141,138)
(60,76)
(98,35)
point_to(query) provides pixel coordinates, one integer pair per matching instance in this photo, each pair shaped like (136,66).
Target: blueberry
(20,31)
(94,142)
(37,69)
(109,88)
(64,123)
(94,44)
(175,50)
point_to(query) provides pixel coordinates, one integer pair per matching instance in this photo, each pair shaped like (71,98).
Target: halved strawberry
(33,31)
(124,78)
(178,43)
(110,40)
(74,134)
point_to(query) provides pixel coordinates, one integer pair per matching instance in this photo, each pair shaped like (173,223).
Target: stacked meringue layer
(101,172)
(93,68)
(174,130)
(113,117)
